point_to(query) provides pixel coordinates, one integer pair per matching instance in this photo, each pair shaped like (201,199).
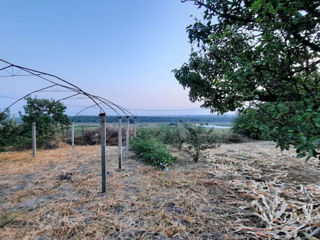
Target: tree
(251,52)
(247,124)
(8,130)
(47,114)
(252,123)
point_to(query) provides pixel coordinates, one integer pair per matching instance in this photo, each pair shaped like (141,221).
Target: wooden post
(135,127)
(34,140)
(72,134)
(127,136)
(120,142)
(103,150)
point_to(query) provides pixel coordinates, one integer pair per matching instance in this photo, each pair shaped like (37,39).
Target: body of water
(213,126)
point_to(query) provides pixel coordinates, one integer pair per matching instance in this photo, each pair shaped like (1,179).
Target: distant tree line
(150,119)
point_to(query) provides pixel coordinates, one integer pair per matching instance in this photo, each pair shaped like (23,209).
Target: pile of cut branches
(280,211)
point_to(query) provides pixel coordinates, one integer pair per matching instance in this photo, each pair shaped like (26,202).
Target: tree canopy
(8,130)
(251,52)
(47,114)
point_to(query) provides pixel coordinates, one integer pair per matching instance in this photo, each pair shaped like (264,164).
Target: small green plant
(7,217)
(199,138)
(152,151)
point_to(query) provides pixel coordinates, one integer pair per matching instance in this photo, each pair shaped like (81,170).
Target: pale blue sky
(122,50)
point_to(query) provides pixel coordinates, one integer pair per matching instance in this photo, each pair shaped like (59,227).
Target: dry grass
(56,196)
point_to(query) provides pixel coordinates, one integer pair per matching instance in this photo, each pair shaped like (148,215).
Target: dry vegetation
(236,191)
(92,136)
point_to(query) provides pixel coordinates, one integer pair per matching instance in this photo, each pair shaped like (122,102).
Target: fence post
(34,140)
(103,150)
(72,134)
(127,136)
(135,127)
(120,142)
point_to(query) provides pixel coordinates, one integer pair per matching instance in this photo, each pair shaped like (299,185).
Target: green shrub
(176,135)
(199,138)
(249,123)
(288,124)
(149,132)
(10,132)
(152,151)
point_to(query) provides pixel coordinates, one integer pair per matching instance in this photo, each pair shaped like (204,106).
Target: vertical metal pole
(34,140)
(135,127)
(103,150)
(120,142)
(127,136)
(72,134)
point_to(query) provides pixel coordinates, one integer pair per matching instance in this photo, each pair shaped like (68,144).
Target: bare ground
(236,191)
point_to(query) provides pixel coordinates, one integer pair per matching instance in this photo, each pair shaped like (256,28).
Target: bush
(249,123)
(199,138)
(152,151)
(49,142)
(149,132)
(288,124)
(175,136)
(90,137)
(10,132)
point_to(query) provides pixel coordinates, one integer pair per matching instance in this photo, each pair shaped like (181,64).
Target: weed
(7,217)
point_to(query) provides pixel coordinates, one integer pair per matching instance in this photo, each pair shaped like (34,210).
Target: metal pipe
(135,127)
(34,140)
(120,142)
(72,134)
(127,136)
(103,151)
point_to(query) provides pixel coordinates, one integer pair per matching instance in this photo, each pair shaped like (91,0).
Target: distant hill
(167,119)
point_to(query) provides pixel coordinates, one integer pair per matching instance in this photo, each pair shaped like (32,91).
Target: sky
(122,50)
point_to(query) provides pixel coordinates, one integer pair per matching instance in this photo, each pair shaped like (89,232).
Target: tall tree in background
(252,52)
(47,114)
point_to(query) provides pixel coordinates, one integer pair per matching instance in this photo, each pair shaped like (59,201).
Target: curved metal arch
(82,111)
(28,94)
(122,109)
(65,84)
(39,75)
